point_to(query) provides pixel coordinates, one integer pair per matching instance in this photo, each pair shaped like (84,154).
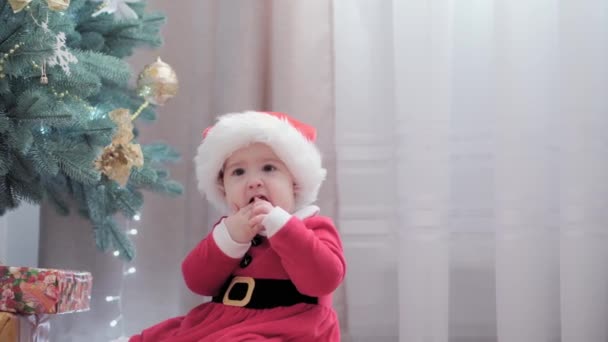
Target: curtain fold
(583,65)
(423,119)
(526,185)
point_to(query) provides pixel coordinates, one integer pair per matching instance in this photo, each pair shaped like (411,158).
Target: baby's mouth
(262,197)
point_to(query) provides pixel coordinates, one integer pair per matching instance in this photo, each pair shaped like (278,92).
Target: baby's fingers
(257,210)
(256,220)
(246,210)
(258,228)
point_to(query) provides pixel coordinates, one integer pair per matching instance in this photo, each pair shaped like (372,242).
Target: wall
(19,234)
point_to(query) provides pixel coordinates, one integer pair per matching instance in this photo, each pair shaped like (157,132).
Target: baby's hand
(260,209)
(238,224)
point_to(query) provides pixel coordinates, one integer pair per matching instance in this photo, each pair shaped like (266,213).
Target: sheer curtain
(466,154)
(473,165)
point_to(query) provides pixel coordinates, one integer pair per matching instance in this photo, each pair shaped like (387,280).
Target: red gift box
(26,290)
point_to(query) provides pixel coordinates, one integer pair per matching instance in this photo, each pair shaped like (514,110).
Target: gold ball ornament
(157,83)
(58,5)
(18,5)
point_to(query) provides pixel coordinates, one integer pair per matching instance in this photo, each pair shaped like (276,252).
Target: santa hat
(292,141)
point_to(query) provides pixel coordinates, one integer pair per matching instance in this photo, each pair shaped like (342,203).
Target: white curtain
(467,153)
(472,146)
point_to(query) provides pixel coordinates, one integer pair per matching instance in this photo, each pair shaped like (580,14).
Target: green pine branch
(51,134)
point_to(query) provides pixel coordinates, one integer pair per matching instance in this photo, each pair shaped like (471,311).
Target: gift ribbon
(41,327)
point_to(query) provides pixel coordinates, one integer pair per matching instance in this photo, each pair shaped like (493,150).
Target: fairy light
(115,321)
(127,271)
(112,298)
(96,113)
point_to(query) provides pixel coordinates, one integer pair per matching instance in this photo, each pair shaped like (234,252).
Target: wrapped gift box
(26,290)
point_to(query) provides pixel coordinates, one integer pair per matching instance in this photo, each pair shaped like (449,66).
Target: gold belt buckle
(239,302)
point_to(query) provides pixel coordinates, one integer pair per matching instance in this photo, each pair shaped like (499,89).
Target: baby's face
(256,171)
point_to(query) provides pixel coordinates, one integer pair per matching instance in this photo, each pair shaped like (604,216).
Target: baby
(272,264)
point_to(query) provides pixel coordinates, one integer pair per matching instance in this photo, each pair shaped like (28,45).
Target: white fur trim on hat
(237,130)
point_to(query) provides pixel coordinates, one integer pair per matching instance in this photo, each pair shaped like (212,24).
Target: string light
(112,298)
(96,113)
(118,322)
(115,321)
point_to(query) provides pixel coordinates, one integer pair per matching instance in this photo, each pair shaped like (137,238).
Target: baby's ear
(296,188)
(220,183)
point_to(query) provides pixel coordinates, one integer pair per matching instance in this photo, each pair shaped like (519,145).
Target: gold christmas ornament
(157,83)
(58,5)
(18,5)
(122,118)
(118,158)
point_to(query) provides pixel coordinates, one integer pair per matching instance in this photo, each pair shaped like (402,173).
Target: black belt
(253,293)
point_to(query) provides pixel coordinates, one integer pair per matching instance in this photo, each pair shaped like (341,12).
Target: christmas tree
(66,133)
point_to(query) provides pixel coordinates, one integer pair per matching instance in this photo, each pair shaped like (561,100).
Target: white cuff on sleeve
(223,240)
(275,220)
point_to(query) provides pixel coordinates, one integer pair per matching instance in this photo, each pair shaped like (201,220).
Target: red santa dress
(304,247)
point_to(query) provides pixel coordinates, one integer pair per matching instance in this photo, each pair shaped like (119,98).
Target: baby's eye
(238,172)
(269,168)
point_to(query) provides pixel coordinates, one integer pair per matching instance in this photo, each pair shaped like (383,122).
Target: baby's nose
(255,183)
